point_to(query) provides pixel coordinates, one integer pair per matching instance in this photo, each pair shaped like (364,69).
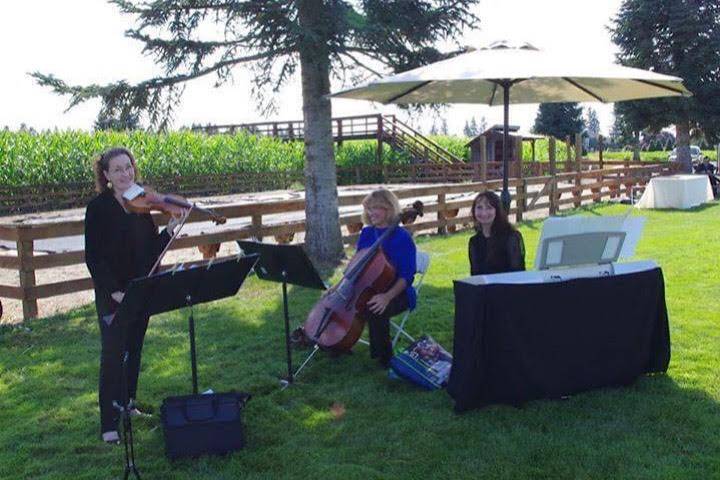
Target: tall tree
(482,126)
(467,131)
(443,126)
(471,129)
(274,38)
(675,37)
(592,123)
(559,119)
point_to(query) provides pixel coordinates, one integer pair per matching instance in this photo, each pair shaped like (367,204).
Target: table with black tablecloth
(522,341)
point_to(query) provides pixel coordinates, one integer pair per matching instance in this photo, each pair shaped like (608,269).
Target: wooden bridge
(383,128)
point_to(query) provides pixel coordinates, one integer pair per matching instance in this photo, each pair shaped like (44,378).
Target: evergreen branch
(360,64)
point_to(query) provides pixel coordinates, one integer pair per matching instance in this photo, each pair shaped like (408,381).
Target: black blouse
(497,254)
(119,246)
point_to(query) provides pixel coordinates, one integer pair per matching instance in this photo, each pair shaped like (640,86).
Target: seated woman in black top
(119,246)
(496,247)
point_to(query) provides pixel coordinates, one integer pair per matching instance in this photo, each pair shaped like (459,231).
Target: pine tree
(559,119)
(443,127)
(467,131)
(592,124)
(680,38)
(474,128)
(482,126)
(277,39)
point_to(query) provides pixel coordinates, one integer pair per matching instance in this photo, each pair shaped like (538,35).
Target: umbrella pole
(505,195)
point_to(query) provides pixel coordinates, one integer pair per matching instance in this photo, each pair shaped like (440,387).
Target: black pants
(111,367)
(379,327)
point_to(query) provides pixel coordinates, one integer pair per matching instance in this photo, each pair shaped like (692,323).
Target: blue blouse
(400,250)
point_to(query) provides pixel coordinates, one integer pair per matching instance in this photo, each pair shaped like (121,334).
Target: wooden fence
(18,200)
(549,193)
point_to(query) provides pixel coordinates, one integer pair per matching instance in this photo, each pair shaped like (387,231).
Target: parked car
(695,154)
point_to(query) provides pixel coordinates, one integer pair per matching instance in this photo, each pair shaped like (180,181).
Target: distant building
(494,143)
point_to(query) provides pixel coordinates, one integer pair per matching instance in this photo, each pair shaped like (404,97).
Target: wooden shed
(494,144)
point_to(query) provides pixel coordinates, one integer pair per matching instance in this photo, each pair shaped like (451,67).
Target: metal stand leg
(289,379)
(124,409)
(191,333)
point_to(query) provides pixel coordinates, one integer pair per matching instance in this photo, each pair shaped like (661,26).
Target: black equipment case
(196,425)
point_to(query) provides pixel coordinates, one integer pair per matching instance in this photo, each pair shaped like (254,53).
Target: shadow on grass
(342,417)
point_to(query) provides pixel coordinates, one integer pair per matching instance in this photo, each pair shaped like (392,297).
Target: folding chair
(422,263)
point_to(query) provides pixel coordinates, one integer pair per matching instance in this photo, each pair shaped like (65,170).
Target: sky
(82,42)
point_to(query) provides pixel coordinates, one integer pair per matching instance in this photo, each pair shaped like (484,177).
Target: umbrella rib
(492,97)
(586,90)
(407,92)
(659,85)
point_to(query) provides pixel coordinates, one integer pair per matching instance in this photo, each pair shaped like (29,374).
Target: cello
(336,323)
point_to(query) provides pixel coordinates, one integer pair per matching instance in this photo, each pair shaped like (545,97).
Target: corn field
(28,159)
(66,157)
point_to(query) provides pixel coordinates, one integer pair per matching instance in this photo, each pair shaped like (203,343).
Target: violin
(336,321)
(139,199)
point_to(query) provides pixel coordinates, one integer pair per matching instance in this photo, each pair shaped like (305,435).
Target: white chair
(422,261)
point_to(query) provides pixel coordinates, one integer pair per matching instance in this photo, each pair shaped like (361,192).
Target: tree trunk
(682,143)
(323,239)
(636,147)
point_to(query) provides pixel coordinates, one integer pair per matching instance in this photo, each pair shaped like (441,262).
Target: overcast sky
(81,42)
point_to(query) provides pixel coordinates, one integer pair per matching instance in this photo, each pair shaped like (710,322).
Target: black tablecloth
(515,343)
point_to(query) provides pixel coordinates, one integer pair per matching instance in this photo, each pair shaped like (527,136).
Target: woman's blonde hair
(384,198)
(102,164)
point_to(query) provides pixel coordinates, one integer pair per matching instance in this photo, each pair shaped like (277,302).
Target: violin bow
(173,237)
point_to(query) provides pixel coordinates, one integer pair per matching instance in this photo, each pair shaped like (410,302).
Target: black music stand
(171,290)
(286,264)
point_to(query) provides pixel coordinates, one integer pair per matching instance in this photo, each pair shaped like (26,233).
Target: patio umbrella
(503,74)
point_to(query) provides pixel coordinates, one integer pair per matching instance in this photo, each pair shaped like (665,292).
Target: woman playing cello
(381,209)
(119,246)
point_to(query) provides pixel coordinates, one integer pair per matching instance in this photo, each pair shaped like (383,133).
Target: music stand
(286,264)
(171,290)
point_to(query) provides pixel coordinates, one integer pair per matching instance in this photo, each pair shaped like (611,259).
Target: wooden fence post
(578,149)
(256,226)
(533,150)
(520,199)
(553,176)
(483,159)
(600,151)
(442,220)
(26,273)
(568,154)
(519,155)
(379,141)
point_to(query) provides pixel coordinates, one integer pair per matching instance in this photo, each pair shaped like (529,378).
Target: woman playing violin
(380,210)
(119,246)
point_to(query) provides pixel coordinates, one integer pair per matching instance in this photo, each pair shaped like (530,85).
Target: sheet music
(563,226)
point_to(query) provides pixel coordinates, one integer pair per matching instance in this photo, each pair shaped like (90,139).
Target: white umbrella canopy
(501,74)
(536,76)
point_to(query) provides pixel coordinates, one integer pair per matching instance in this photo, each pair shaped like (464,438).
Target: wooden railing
(531,194)
(356,127)
(420,147)
(384,128)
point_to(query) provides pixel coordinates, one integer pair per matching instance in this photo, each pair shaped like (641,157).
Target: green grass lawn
(664,426)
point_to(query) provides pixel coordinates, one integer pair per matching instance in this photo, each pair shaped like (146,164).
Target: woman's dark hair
(501,225)
(102,164)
